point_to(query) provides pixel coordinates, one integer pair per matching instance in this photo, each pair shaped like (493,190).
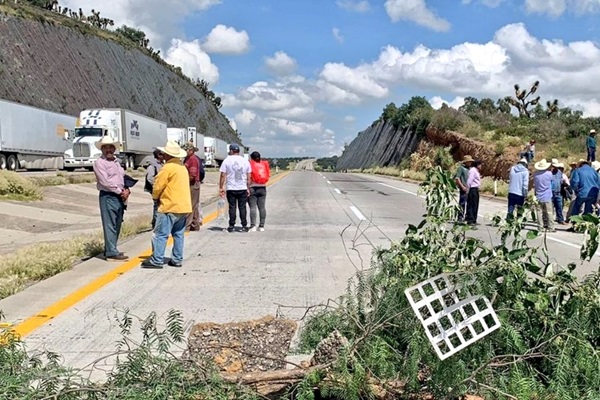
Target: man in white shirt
(235,172)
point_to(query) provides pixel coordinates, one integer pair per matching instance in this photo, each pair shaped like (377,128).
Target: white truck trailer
(32,138)
(138,134)
(216,150)
(183,136)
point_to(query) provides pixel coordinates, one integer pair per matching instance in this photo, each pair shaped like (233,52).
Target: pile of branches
(548,346)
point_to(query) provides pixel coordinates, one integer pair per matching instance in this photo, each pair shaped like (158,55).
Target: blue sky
(303,77)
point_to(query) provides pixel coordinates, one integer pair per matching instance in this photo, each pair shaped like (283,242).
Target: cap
(234,147)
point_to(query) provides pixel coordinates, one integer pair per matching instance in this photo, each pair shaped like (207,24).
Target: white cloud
(160,22)
(193,61)
(436,102)
(349,118)
(226,40)
(489,3)
(353,80)
(551,7)
(245,117)
(354,5)
(281,64)
(337,35)
(416,11)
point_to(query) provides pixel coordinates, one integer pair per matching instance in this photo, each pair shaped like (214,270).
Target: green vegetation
(326,163)
(16,187)
(41,261)
(546,348)
(286,162)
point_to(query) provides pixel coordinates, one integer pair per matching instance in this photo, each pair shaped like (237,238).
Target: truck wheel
(69,169)
(130,162)
(2,162)
(12,163)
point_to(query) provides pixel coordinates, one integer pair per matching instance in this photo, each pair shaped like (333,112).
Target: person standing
(542,183)
(529,152)
(557,198)
(110,182)
(192,163)
(473,184)
(261,173)
(518,186)
(460,178)
(590,144)
(172,190)
(586,183)
(235,172)
(151,172)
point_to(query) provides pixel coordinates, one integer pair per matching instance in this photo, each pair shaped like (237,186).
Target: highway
(321,228)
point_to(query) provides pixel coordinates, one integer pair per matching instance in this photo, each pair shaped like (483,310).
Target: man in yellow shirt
(172,191)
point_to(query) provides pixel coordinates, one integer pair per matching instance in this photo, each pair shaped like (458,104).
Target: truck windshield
(79,132)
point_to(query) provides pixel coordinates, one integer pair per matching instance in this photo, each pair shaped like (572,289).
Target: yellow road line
(51,312)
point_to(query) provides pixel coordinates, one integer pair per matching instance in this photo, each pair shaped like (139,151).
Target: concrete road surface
(320,229)
(306,165)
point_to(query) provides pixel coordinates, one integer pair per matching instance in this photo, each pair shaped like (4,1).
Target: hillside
(50,61)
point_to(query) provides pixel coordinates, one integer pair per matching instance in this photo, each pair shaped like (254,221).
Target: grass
(43,260)
(16,187)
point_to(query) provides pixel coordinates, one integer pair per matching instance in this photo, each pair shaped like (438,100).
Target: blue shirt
(585,182)
(542,183)
(591,142)
(556,182)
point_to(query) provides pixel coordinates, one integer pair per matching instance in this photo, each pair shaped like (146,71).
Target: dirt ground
(72,210)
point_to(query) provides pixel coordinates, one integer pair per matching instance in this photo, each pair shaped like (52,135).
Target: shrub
(447,118)
(16,187)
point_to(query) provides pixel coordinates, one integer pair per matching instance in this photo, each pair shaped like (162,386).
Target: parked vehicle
(32,138)
(216,150)
(183,136)
(139,136)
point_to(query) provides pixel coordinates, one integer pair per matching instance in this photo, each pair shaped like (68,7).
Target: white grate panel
(453,319)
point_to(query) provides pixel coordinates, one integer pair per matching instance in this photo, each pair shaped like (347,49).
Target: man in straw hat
(172,190)
(542,184)
(193,164)
(557,185)
(518,186)
(590,144)
(460,178)
(110,181)
(586,184)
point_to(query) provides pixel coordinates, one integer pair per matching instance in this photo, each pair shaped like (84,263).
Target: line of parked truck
(32,138)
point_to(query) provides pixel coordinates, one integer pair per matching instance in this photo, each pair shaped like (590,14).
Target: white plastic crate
(453,319)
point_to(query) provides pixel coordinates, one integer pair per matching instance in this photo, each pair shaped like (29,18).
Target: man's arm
(470,178)
(222,178)
(101,173)
(525,184)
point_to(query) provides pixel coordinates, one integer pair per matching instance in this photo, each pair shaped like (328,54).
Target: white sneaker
(252,229)
(261,229)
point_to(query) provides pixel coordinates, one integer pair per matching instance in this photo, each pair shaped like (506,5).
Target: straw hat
(557,164)
(107,141)
(467,158)
(596,165)
(542,165)
(592,131)
(173,149)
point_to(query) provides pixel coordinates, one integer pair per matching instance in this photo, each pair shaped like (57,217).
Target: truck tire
(130,162)
(69,169)
(12,163)
(2,162)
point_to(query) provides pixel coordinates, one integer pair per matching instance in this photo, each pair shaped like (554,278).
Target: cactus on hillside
(520,101)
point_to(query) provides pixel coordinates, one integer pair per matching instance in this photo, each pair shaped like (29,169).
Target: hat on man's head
(173,149)
(542,165)
(592,131)
(467,158)
(234,147)
(572,162)
(189,146)
(107,141)
(582,161)
(557,164)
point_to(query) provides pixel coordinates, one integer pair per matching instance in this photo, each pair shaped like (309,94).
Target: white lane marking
(402,190)
(358,214)
(329,182)
(337,191)
(563,242)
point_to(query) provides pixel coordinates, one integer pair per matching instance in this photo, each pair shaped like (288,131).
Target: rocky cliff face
(380,145)
(55,67)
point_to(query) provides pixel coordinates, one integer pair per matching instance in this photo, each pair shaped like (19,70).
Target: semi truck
(183,136)
(138,135)
(32,138)
(216,151)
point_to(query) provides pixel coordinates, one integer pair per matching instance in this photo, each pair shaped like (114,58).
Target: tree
(503,106)
(520,101)
(487,106)
(389,112)
(135,35)
(470,107)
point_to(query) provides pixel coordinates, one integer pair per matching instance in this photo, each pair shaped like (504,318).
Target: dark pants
(472,205)
(557,202)
(591,154)
(154,211)
(514,201)
(462,203)
(111,213)
(239,199)
(258,197)
(587,202)
(193,221)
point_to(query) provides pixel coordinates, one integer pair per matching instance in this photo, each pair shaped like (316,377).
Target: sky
(304,77)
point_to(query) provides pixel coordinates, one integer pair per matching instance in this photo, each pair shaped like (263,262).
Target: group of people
(175,188)
(468,180)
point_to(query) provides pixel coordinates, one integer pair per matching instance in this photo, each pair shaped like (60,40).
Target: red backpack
(260,172)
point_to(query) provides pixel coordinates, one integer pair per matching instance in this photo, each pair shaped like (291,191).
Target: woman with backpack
(261,172)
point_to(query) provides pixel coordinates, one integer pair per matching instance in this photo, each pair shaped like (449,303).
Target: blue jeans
(111,213)
(557,201)
(168,224)
(587,201)
(514,201)
(591,156)
(462,203)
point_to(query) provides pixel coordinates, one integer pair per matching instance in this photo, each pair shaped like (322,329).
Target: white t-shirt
(237,169)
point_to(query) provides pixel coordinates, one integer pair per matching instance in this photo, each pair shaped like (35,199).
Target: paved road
(306,165)
(319,228)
